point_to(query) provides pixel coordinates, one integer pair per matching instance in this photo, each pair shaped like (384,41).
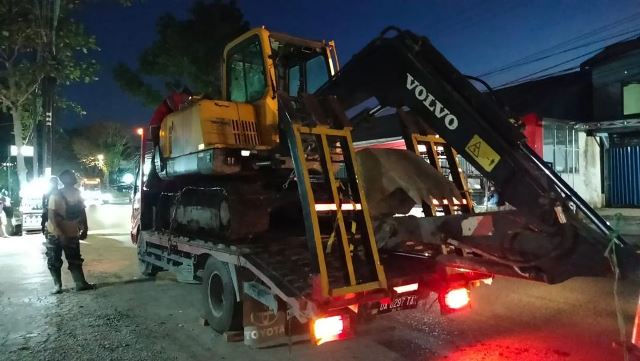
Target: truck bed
(284,264)
(285,261)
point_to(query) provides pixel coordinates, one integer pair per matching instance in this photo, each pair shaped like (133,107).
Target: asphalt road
(132,318)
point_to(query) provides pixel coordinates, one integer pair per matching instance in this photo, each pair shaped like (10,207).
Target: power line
(541,77)
(597,31)
(607,72)
(584,45)
(528,76)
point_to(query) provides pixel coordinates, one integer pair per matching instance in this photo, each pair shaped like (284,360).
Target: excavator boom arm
(402,70)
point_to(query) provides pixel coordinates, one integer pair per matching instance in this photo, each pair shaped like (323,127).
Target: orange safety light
(331,328)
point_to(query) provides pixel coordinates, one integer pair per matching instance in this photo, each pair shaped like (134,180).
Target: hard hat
(68,177)
(54,183)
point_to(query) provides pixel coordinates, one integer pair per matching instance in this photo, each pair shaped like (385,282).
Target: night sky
(476,35)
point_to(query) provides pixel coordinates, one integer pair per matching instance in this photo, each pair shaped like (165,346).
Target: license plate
(399,302)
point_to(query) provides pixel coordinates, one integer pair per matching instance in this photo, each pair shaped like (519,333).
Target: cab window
(317,73)
(299,68)
(246,72)
(309,74)
(294,80)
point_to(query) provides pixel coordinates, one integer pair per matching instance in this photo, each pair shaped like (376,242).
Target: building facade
(589,124)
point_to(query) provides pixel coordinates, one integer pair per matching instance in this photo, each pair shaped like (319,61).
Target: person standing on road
(4,202)
(54,184)
(66,226)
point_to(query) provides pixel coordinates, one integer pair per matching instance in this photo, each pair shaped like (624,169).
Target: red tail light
(457,298)
(331,328)
(453,299)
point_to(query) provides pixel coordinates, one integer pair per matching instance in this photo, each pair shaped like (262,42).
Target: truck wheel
(148,269)
(219,298)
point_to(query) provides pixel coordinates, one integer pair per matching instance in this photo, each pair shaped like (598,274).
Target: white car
(92,197)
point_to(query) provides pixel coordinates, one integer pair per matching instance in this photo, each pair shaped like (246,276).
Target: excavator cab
(256,66)
(260,63)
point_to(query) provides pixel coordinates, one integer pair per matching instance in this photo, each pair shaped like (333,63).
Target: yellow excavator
(256,66)
(265,185)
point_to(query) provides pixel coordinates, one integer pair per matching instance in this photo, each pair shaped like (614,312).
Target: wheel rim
(216,301)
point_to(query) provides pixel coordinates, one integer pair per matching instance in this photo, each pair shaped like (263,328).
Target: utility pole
(48,89)
(49,10)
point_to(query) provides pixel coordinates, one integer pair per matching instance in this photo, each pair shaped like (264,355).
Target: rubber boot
(81,282)
(57,281)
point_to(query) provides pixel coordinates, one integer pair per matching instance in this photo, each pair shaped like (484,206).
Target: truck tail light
(331,328)
(454,299)
(457,298)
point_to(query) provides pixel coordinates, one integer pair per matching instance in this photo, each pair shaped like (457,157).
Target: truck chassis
(271,278)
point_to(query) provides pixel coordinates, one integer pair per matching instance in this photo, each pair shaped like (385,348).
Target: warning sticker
(482,153)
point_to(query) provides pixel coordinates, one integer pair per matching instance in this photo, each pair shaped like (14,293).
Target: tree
(104,146)
(66,157)
(186,53)
(25,60)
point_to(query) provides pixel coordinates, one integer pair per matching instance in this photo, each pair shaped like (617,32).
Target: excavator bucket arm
(552,234)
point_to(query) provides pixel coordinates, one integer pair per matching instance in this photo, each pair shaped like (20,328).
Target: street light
(100,158)
(140,132)
(25,150)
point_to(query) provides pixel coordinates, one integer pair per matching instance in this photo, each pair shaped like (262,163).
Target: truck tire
(16,230)
(148,269)
(221,309)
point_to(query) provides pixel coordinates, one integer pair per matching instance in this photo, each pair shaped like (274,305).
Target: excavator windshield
(246,71)
(260,63)
(302,65)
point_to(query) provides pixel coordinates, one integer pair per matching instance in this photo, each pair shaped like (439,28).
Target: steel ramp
(337,221)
